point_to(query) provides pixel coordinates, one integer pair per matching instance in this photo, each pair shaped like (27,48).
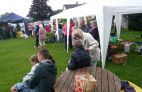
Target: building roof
(68,6)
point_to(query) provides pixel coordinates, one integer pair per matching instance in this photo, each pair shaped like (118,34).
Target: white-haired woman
(42,35)
(90,44)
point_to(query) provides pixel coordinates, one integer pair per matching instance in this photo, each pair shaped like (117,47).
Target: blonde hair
(76,31)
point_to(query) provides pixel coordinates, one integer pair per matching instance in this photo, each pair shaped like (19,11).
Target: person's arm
(93,44)
(88,29)
(40,31)
(35,79)
(71,65)
(28,75)
(64,29)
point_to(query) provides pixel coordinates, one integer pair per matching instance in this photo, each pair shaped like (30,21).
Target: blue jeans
(27,90)
(60,35)
(21,87)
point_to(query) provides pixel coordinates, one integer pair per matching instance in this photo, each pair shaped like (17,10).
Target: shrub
(50,37)
(135,22)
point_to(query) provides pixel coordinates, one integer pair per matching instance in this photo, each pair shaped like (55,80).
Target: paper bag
(84,83)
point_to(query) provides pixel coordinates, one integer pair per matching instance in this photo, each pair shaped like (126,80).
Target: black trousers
(30,33)
(70,41)
(37,41)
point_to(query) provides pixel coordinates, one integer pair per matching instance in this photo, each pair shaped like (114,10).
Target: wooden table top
(106,80)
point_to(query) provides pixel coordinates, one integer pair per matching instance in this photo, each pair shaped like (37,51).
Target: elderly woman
(90,44)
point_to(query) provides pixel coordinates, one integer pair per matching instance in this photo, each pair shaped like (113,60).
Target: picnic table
(106,80)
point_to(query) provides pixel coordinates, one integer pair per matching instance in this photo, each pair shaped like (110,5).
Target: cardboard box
(84,83)
(120,58)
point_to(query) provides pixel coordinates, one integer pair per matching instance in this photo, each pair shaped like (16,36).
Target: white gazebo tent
(103,10)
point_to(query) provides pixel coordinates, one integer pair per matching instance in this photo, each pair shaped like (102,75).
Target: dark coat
(95,34)
(80,58)
(85,28)
(36,30)
(44,77)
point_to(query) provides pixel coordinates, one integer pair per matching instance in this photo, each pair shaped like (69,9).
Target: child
(42,35)
(23,85)
(80,58)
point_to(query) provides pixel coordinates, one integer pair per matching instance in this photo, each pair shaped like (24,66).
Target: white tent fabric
(57,29)
(104,10)
(118,19)
(68,28)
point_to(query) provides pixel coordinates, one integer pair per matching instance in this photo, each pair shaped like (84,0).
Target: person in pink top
(70,34)
(30,29)
(42,35)
(47,28)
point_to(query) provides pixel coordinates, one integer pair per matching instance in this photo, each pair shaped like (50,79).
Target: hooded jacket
(44,77)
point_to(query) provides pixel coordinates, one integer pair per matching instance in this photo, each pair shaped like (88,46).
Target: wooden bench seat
(106,80)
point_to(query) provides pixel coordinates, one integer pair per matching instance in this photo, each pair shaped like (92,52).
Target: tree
(40,10)
(135,22)
(57,11)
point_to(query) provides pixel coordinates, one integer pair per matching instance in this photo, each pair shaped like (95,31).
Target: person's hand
(13,89)
(87,49)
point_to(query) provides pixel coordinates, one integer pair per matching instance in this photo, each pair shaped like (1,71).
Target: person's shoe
(35,46)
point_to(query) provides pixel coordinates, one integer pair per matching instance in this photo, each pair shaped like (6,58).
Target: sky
(21,7)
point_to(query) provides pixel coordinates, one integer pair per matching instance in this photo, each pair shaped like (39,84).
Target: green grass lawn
(15,53)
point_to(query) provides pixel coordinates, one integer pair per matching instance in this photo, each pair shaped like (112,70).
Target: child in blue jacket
(80,58)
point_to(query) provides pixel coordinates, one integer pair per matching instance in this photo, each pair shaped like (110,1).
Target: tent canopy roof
(93,7)
(103,10)
(12,17)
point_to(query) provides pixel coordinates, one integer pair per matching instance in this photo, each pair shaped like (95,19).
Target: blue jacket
(80,58)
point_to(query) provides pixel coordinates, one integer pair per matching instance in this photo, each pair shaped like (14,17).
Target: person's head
(78,44)
(93,23)
(40,26)
(77,33)
(43,54)
(71,20)
(82,22)
(34,59)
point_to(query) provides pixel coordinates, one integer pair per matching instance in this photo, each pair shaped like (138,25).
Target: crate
(120,58)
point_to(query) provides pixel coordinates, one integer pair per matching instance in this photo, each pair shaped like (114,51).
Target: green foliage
(135,22)
(5,14)
(57,11)
(40,10)
(49,35)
